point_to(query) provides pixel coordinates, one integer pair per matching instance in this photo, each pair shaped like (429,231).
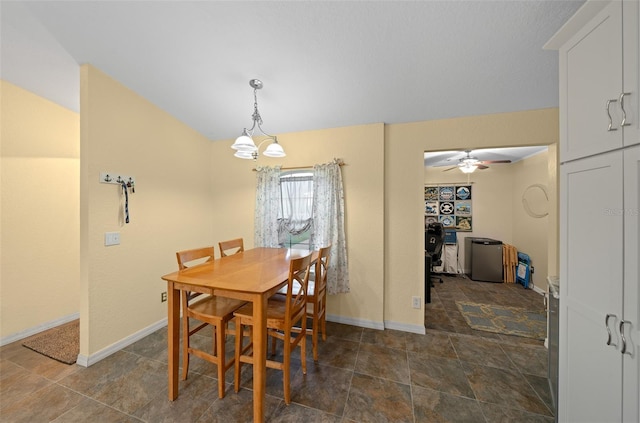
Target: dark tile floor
(451,374)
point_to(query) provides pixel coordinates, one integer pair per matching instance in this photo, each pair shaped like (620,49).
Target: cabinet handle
(624,340)
(610,128)
(624,113)
(606,324)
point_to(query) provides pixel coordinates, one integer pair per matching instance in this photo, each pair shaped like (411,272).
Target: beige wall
(170,210)
(40,215)
(531,235)
(404,176)
(492,195)
(498,211)
(190,192)
(362,149)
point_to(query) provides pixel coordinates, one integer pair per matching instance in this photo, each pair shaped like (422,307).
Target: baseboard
(363,323)
(86,361)
(539,290)
(419,329)
(37,329)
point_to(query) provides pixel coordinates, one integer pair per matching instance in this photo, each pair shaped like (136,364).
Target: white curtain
(297,200)
(328,223)
(267,207)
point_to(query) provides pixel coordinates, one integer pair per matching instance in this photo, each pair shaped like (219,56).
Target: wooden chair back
(188,256)
(296,301)
(322,265)
(226,247)
(186,259)
(207,311)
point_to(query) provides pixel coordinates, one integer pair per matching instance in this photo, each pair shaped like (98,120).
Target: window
(295,217)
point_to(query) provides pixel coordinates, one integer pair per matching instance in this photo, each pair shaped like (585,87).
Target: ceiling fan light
(468,168)
(274,150)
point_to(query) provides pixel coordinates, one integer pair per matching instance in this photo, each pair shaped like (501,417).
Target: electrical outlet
(163,297)
(532,269)
(416,303)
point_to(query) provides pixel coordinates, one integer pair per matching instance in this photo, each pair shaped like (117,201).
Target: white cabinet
(599,79)
(631,64)
(591,287)
(599,345)
(631,306)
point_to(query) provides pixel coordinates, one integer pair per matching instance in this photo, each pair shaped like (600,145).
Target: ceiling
(323,64)
(452,158)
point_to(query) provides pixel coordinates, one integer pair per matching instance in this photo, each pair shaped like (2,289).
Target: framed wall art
(449,204)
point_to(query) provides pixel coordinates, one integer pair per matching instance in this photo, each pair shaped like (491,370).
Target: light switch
(111,238)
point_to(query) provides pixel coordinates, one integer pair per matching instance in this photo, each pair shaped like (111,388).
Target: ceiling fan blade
(495,161)
(481,166)
(451,168)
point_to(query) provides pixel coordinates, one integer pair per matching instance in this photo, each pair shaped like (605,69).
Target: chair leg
(238,364)
(286,366)
(221,355)
(185,347)
(303,347)
(323,321)
(314,336)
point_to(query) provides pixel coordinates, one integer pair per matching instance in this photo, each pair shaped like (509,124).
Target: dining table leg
(173,337)
(259,356)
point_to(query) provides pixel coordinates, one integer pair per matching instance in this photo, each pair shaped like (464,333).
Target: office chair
(433,244)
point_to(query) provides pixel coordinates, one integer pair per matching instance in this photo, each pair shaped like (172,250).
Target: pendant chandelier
(245,146)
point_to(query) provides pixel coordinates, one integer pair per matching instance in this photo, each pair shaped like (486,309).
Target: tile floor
(451,374)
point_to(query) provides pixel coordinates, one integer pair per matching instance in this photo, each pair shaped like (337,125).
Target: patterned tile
(451,374)
(373,399)
(432,343)
(507,388)
(440,374)
(385,338)
(501,414)
(323,387)
(383,362)
(47,404)
(434,406)
(478,350)
(530,360)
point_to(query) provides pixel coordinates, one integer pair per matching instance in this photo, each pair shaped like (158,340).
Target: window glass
(295,217)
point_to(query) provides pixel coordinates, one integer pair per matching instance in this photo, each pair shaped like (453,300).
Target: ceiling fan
(468,164)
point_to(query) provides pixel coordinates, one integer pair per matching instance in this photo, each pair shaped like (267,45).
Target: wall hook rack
(116,178)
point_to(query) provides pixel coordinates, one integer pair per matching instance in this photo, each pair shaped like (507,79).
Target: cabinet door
(631,365)
(591,63)
(631,53)
(590,384)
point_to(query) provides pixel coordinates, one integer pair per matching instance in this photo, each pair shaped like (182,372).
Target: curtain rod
(340,163)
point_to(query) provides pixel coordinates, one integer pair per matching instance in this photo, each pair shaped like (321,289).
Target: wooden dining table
(253,275)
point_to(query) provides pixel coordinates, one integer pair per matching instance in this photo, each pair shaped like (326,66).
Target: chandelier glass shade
(244,145)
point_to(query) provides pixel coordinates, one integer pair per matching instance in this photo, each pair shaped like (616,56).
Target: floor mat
(61,343)
(506,320)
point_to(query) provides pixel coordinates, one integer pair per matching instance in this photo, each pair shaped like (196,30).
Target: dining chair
(230,247)
(282,317)
(316,298)
(208,310)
